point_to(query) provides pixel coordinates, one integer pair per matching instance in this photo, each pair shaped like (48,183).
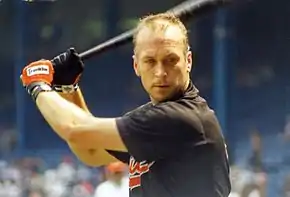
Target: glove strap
(66,89)
(35,88)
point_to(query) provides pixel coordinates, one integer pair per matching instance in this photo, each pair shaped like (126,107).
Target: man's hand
(68,68)
(37,77)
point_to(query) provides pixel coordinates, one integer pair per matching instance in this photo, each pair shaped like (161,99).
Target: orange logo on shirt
(136,169)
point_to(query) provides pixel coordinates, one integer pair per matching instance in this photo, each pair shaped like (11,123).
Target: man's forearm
(73,124)
(61,114)
(92,157)
(76,98)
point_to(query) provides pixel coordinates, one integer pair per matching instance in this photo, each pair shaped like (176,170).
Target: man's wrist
(37,87)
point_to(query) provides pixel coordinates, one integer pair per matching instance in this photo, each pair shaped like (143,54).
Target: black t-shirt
(175,149)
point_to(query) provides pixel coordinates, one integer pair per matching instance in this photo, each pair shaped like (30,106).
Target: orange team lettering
(136,169)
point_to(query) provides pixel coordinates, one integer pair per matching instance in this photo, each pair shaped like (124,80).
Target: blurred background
(241,58)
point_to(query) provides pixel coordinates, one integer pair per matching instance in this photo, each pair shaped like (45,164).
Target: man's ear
(189,61)
(135,65)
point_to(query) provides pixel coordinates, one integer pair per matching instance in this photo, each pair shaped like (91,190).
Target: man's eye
(171,60)
(149,61)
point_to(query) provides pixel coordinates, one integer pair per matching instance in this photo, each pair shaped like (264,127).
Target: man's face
(161,62)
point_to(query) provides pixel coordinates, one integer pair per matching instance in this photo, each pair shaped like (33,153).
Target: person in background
(256,163)
(117,182)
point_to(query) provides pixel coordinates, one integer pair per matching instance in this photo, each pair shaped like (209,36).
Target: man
(173,144)
(116,183)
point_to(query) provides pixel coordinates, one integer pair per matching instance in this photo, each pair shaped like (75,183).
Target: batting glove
(68,68)
(37,77)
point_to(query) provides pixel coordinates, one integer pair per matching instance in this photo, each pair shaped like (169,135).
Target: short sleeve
(121,156)
(156,132)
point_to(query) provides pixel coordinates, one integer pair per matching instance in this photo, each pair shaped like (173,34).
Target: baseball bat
(184,11)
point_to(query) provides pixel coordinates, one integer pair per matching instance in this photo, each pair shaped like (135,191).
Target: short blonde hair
(151,22)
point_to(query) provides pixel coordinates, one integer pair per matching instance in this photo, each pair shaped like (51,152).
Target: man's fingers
(21,80)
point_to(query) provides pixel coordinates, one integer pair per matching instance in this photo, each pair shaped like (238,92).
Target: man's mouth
(161,86)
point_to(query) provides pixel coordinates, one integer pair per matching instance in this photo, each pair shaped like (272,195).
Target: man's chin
(160,97)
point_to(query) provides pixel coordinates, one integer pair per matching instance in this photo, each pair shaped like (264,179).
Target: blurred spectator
(251,190)
(36,193)
(36,180)
(255,160)
(256,163)
(117,183)
(83,186)
(286,187)
(8,141)
(8,188)
(53,186)
(82,189)
(286,133)
(83,173)
(10,180)
(66,171)
(241,180)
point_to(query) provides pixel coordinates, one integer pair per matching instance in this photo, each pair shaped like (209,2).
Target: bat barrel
(196,8)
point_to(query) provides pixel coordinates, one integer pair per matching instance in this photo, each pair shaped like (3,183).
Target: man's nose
(160,70)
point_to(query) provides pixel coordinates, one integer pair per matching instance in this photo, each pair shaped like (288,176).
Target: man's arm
(75,125)
(91,157)
(64,70)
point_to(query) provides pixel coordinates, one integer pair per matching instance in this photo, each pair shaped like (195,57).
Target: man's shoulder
(187,106)
(139,108)
(193,104)
(190,105)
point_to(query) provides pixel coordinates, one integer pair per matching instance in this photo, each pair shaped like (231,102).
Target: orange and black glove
(68,68)
(37,77)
